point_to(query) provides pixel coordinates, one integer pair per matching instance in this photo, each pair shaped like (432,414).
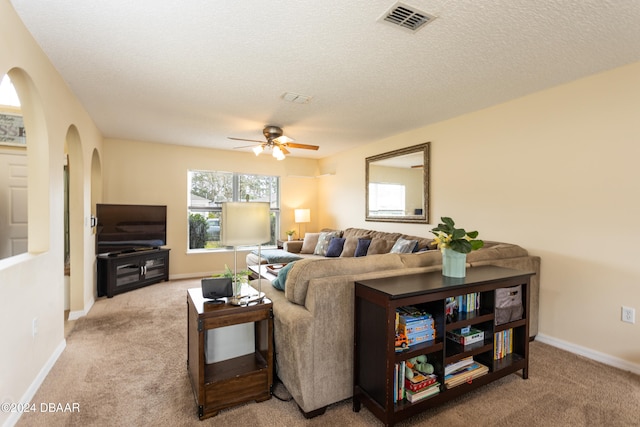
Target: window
(386,199)
(209,189)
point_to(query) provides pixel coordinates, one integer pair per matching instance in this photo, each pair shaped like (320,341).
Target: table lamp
(245,223)
(301,216)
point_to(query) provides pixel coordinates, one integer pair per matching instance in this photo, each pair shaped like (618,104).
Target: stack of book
(463,371)
(416,324)
(413,389)
(502,344)
(421,386)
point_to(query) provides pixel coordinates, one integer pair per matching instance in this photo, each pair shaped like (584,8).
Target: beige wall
(162,179)
(556,172)
(31,285)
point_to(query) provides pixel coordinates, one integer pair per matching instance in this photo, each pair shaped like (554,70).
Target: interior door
(13,202)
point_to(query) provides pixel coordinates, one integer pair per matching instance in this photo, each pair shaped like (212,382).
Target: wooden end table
(233,381)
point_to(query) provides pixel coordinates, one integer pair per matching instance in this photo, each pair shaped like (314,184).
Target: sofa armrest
(293,246)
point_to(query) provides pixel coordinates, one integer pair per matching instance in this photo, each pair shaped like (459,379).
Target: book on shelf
(414,396)
(399,381)
(465,375)
(460,364)
(465,303)
(465,338)
(502,344)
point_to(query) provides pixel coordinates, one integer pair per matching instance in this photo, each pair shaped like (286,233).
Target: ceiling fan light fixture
(277,153)
(258,149)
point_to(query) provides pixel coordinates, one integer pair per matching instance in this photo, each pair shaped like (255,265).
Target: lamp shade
(245,223)
(302,215)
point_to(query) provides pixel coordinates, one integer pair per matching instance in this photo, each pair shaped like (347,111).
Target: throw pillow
(309,243)
(323,242)
(404,246)
(349,248)
(363,247)
(335,246)
(281,279)
(380,246)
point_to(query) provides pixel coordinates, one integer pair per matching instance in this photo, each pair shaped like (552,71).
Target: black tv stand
(130,269)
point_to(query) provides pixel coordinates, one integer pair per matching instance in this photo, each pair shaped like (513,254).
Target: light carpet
(125,365)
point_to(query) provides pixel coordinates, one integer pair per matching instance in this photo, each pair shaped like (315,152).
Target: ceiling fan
(276,141)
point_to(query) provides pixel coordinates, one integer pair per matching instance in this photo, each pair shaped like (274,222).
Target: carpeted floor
(125,365)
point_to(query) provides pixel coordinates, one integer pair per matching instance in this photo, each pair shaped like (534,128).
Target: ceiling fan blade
(283,149)
(242,139)
(246,146)
(303,146)
(283,139)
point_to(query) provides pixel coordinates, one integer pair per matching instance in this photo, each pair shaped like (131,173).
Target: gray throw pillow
(323,242)
(403,246)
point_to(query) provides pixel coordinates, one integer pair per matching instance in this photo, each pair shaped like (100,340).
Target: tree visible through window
(209,189)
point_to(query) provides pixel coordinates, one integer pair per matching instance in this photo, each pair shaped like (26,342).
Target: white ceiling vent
(296,98)
(406,17)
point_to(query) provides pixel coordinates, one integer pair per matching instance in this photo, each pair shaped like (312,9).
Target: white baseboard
(190,275)
(76,314)
(607,359)
(37,382)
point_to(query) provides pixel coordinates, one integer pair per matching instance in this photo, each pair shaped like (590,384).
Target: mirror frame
(422,219)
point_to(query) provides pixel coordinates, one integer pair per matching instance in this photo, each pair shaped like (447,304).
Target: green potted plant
(290,234)
(455,244)
(238,279)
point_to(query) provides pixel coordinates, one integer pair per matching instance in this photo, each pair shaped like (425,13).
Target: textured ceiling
(193,72)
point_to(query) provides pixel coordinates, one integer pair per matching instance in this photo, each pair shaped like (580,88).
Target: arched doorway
(76,222)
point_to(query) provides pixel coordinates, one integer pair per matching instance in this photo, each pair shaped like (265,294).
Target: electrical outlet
(628,314)
(34,327)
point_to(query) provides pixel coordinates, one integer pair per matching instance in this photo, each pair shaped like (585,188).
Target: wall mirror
(397,185)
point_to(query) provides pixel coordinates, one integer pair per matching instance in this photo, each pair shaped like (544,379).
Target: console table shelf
(375,358)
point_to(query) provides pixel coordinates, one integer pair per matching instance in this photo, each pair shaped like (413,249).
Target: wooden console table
(375,358)
(233,381)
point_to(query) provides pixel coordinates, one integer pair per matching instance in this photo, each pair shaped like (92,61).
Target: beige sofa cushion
(496,250)
(423,242)
(310,242)
(380,246)
(307,269)
(422,259)
(350,245)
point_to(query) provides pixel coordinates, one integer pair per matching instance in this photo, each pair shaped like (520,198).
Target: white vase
(454,264)
(289,237)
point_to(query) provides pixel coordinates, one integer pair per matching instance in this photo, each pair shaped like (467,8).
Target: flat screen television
(129,227)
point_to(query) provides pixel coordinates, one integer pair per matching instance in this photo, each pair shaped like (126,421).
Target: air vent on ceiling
(296,98)
(407,17)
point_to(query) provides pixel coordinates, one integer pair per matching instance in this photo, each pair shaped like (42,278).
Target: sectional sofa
(313,316)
